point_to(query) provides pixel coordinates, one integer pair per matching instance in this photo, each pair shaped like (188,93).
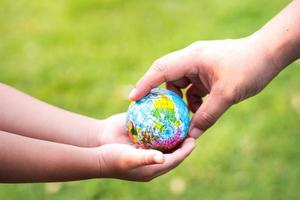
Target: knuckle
(159,66)
(197,47)
(228,97)
(197,52)
(206,119)
(227,94)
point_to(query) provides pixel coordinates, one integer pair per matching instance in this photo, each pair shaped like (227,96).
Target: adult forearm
(25,159)
(27,116)
(281,36)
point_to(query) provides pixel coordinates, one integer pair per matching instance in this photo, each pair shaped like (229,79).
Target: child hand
(119,158)
(124,161)
(114,131)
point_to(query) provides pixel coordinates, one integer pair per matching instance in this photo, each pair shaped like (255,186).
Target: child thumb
(141,157)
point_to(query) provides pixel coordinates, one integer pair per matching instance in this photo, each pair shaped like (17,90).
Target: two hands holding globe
(159,135)
(204,68)
(124,160)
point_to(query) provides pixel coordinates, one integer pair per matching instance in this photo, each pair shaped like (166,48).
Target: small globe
(159,121)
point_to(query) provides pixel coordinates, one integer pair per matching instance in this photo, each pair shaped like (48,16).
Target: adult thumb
(209,112)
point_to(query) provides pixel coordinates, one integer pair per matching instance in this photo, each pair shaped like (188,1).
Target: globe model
(159,121)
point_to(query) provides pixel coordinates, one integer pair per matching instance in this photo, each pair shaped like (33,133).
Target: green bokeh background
(84,56)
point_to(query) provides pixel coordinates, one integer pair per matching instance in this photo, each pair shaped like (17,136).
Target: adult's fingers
(172,87)
(168,68)
(194,98)
(177,85)
(210,110)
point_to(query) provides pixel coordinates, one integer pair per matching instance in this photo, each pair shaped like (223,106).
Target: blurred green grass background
(84,56)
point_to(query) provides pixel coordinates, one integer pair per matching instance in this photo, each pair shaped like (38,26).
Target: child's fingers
(140,157)
(175,158)
(171,160)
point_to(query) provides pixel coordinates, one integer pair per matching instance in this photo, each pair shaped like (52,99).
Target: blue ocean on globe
(160,120)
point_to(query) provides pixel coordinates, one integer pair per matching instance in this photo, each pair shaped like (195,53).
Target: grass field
(84,56)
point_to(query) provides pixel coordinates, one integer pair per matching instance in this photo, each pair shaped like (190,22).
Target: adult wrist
(270,50)
(281,50)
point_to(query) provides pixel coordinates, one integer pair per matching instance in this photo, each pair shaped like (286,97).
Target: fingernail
(195,133)
(132,93)
(159,158)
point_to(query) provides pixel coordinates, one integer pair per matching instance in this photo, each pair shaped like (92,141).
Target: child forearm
(27,116)
(24,159)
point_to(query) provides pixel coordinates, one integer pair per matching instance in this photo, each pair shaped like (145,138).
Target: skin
(40,142)
(226,71)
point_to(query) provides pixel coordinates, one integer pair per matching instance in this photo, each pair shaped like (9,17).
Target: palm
(115,131)
(126,161)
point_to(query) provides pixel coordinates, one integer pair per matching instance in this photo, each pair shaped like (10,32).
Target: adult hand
(227,70)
